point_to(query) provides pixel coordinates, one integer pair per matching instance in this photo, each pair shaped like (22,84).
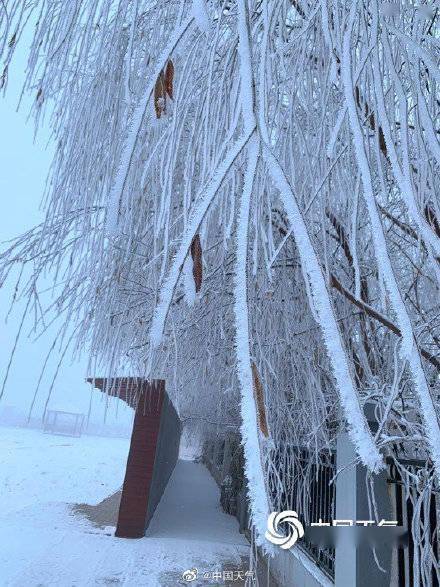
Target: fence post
(356,565)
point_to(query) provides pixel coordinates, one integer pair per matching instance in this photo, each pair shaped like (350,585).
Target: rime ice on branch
(300,146)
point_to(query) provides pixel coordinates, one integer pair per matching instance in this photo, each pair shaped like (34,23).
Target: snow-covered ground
(44,543)
(38,468)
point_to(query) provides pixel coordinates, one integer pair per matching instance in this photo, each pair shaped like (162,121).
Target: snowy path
(190,509)
(45,544)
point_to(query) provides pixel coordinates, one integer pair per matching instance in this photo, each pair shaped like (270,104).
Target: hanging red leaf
(169,77)
(196,254)
(259,400)
(160,95)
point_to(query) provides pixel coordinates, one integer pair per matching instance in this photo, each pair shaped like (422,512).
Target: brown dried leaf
(169,77)
(160,95)
(259,400)
(196,254)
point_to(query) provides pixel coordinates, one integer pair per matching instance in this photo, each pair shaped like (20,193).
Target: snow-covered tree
(244,200)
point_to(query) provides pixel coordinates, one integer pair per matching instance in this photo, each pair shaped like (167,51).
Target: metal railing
(417,508)
(306,486)
(308,489)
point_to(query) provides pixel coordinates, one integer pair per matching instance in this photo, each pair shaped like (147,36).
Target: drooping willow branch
(341,100)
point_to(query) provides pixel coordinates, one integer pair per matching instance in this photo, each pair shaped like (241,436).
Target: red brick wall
(140,464)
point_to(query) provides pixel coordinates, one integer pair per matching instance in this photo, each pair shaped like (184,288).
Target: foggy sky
(24,165)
